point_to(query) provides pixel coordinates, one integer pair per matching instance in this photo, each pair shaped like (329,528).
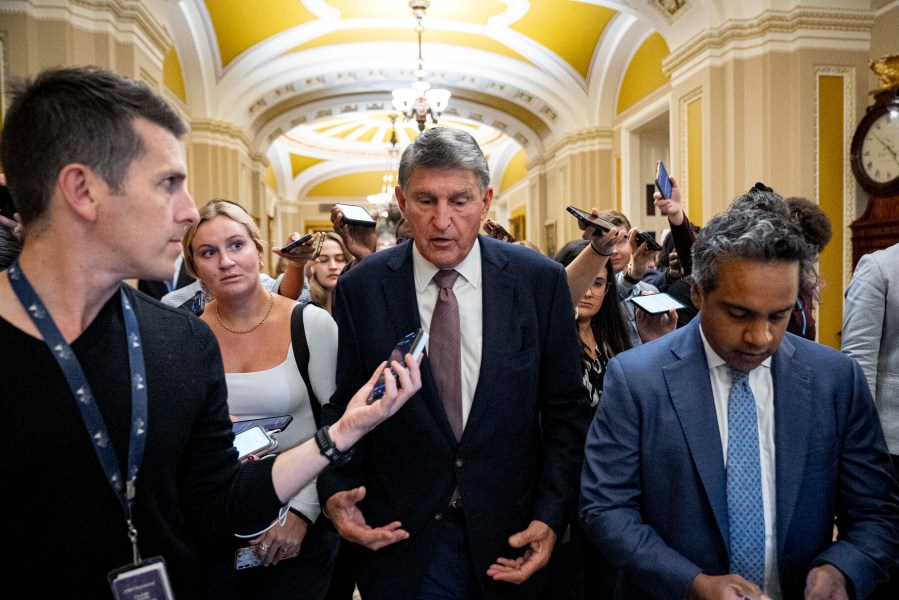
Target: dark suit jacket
(521,451)
(158,289)
(653,487)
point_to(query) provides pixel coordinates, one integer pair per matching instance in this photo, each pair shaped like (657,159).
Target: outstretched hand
(343,511)
(672,207)
(724,587)
(360,241)
(539,539)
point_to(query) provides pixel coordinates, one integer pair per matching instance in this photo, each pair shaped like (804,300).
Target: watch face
(879,152)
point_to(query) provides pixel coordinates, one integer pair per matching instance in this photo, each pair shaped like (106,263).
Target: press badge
(147,580)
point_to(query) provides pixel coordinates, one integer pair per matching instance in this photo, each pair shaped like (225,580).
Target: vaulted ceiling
(311,80)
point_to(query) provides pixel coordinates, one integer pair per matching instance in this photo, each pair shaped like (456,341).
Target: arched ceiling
(525,72)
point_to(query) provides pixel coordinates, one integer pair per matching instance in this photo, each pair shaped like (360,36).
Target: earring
(261,264)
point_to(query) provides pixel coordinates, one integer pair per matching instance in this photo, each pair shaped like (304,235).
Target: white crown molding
(225,135)
(773,31)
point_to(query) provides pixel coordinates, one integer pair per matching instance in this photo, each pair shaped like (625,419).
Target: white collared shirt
(469,295)
(762,386)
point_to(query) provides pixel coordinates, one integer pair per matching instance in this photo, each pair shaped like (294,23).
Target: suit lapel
(695,407)
(498,288)
(402,305)
(792,418)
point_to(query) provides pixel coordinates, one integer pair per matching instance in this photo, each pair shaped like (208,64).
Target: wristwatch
(329,450)
(629,278)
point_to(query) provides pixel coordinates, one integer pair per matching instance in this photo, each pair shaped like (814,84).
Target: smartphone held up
(414,344)
(663,182)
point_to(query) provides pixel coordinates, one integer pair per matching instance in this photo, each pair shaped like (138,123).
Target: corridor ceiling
(310,80)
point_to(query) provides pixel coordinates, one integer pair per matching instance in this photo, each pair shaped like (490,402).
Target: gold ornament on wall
(887,70)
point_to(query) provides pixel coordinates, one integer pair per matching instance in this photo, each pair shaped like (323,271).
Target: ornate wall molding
(850,120)
(219,133)
(774,30)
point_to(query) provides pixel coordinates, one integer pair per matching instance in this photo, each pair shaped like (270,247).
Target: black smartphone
(656,304)
(662,181)
(7,207)
(414,344)
(270,424)
(355,215)
(590,220)
(645,238)
(297,242)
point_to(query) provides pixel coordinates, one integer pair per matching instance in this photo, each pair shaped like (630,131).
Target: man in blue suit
(723,454)
(459,502)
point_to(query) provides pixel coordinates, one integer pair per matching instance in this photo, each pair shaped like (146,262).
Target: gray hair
(754,235)
(443,148)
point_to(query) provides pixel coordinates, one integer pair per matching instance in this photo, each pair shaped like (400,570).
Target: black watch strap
(329,450)
(630,279)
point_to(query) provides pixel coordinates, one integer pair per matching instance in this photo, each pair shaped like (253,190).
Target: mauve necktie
(744,483)
(445,349)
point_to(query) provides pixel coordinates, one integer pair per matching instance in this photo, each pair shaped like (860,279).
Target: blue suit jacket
(521,452)
(653,486)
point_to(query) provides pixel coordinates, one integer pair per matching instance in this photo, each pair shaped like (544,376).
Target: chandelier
(420,101)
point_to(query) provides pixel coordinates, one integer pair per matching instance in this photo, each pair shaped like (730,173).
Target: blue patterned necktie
(744,483)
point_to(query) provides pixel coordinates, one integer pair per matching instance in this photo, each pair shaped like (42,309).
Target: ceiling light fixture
(420,101)
(386,196)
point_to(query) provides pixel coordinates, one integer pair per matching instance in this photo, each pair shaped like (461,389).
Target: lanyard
(85,401)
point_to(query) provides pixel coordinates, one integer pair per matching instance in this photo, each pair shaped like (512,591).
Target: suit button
(459,462)
(438,516)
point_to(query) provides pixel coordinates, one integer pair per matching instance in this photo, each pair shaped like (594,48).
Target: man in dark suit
(722,454)
(459,502)
(157,289)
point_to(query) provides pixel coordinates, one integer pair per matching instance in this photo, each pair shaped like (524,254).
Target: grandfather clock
(874,156)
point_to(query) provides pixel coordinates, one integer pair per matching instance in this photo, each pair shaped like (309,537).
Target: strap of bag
(301,354)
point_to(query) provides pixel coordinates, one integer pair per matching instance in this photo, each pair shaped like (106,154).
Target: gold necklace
(271,302)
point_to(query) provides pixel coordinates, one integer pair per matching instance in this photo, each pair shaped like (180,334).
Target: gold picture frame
(549,238)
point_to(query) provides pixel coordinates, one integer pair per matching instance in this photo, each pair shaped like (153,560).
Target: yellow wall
(172,76)
(644,73)
(354,184)
(515,170)
(830,199)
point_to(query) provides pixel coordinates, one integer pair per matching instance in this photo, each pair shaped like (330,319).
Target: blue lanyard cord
(84,398)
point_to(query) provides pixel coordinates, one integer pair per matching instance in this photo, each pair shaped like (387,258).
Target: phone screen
(267,423)
(662,181)
(356,215)
(414,344)
(251,441)
(656,303)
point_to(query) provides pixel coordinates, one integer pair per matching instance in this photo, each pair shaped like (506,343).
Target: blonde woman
(253,328)
(324,270)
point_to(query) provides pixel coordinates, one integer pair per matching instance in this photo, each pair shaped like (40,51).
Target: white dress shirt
(469,295)
(762,386)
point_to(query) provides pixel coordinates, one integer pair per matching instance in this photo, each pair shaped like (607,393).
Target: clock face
(874,152)
(879,153)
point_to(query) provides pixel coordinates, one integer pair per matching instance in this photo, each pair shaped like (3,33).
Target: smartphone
(246,558)
(270,424)
(656,304)
(662,181)
(7,207)
(355,215)
(297,242)
(254,440)
(414,344)
(590,220)
(645,238)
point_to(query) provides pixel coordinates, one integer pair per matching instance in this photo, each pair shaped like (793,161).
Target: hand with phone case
(497,231)
(360,241)
(9,218)
(672,206)
(655,316)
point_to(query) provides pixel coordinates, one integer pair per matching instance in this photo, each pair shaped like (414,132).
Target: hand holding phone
(7,207)
(662,181)
(305,239)
(497,231)
(644,238)
(655,304)
(586,219)
(414,344)
(256,441)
